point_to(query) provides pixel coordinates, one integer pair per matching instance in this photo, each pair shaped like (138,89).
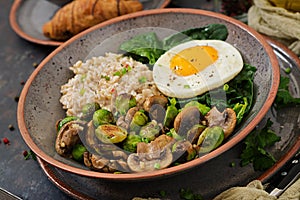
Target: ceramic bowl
(39,107)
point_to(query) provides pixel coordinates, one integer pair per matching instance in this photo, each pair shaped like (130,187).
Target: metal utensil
(4,194)
(284,178)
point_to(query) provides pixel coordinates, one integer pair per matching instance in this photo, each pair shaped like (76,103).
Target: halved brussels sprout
(171,113)
(150,131)
(89,109)
(108,133)
(210,139)
(102,116)
(78,151)
(130,143)
(139,119)
(124,102)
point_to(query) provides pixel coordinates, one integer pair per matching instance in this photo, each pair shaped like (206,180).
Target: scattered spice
(17,98)
(29,154)
(5,140)
(11,127)
(35,64)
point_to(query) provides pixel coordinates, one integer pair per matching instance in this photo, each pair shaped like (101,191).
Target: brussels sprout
(139,119)
(102,116)
(210,139)
(130,143)
(89,109)
(64,121)
(202,108)
(150,131)
(124,102)
(77,152)
(108,133)
(171,113)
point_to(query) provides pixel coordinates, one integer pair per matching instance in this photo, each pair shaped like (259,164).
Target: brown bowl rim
(19,31)
(167,171)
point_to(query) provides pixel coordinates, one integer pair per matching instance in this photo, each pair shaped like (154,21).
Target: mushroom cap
(186,119)
(68,136)
(143,162)
(226,119)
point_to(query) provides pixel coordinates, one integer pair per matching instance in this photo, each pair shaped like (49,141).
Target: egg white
(225,68)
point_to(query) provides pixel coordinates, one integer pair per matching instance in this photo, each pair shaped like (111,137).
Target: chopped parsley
(256,144)
(188,194)
(105,77)
(142,79)
(122,71)
(283,96)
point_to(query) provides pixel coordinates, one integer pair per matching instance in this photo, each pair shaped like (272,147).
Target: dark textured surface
(18,57)
(26,179)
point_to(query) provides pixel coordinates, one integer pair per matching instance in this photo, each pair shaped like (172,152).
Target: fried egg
(195,67)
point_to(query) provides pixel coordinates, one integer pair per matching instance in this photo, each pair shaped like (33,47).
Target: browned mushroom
(186,119)
(155,99)
(107,163)
(156,107)
(142,162)
(152,156)
(225,119)
(124,121)
(68,137)
(183,151)
(194,132)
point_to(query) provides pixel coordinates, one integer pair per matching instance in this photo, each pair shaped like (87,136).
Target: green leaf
(256,144)
(145,45)
(211,31)
(283,96)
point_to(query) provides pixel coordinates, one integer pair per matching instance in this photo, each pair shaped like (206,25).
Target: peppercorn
(5,140)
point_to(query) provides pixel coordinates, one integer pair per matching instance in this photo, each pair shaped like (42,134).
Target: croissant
(79,15)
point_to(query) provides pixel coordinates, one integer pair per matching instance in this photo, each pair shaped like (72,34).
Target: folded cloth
(255,191)
(276,22)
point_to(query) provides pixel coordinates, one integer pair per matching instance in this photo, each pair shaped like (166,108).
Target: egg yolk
(192,60)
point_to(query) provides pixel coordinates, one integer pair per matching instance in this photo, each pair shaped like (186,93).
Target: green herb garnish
(256,144)
(283,96)
(188,194)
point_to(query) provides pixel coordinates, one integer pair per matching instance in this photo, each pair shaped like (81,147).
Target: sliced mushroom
(107,164)
(152,156)
(68,137)
(183,151)
(186,119)
(156,107)
(153,100)
(225,119)
(142,162)
(162,141)
(124,121)
(194,132)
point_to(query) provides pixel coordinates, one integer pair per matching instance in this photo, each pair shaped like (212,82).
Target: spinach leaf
(145,45)
(239,93)
(211,31)
(283,96)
